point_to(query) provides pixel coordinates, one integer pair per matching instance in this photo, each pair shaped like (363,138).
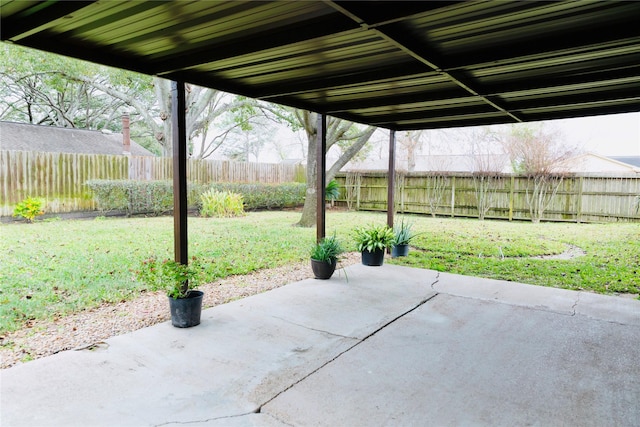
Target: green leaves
(29,208)
(266,196)
(328,249)
(332,191)
(173,277)
(373,237)
(402,233)
(221,204)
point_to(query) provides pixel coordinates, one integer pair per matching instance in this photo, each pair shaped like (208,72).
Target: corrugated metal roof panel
(401,65)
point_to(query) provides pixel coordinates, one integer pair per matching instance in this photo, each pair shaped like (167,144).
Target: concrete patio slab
(457,361)
(391,346)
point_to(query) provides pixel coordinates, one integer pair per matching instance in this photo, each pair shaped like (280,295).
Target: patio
(389,346)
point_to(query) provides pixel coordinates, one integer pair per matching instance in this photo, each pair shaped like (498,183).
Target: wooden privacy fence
(577,198)
(59,178)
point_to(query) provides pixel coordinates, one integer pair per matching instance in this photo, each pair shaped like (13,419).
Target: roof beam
(403,40)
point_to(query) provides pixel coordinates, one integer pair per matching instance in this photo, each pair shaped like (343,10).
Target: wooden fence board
(579,198)
(59,178)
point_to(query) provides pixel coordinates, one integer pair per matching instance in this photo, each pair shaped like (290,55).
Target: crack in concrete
(223,417)
(437,280)
(518,305)
(575,304)
(314,329)
(278,419)
(360,341)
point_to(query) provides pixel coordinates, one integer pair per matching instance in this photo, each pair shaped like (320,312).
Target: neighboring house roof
(439,163)
(28,137)
(591,162)
(292,161)
(583,163)
(629,160)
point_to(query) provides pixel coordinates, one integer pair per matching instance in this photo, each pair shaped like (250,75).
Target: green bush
(266,196)
(29,208)
(139,197)
(156,197)
(221,204)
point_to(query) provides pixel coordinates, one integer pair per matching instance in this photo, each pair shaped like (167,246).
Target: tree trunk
(335,131)
(309,210)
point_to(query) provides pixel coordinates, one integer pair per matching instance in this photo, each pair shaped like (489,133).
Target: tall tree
(344,137)
(34,89)
(410,143)
(43,88)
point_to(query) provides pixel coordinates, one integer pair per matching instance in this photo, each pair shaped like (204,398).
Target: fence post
(511,198)
(579,207)
(359,185)
(391,176)
(453,196)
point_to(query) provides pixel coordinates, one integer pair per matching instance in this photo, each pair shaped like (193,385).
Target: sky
(611,135)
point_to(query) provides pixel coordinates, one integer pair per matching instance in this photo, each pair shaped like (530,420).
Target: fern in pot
(324,257)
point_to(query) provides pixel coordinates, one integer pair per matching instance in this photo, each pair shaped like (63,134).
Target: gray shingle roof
(630,160)
(28,137)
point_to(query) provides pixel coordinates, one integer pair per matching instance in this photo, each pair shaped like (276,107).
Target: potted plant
(332,191)
(372,242)
(324,257)
(178,281)
(402,237)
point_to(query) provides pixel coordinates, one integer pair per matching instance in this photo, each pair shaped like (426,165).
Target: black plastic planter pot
(374,259)
(399,250)
(322,269)
(185,312)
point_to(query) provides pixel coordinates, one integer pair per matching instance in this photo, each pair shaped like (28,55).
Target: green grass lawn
(50,269)
(509,251)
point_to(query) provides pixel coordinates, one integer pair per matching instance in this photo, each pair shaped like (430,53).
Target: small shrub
(29,208)
(221,204)
(176,279)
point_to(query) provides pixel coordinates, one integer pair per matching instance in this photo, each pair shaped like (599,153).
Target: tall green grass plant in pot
(324,257)
(403,235)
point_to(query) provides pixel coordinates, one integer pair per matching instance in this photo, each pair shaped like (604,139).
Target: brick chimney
(126,140)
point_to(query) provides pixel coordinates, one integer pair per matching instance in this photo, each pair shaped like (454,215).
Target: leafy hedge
(266,196)
(156,197)
(139,197)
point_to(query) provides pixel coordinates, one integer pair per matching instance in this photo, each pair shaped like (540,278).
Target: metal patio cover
(396,65)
